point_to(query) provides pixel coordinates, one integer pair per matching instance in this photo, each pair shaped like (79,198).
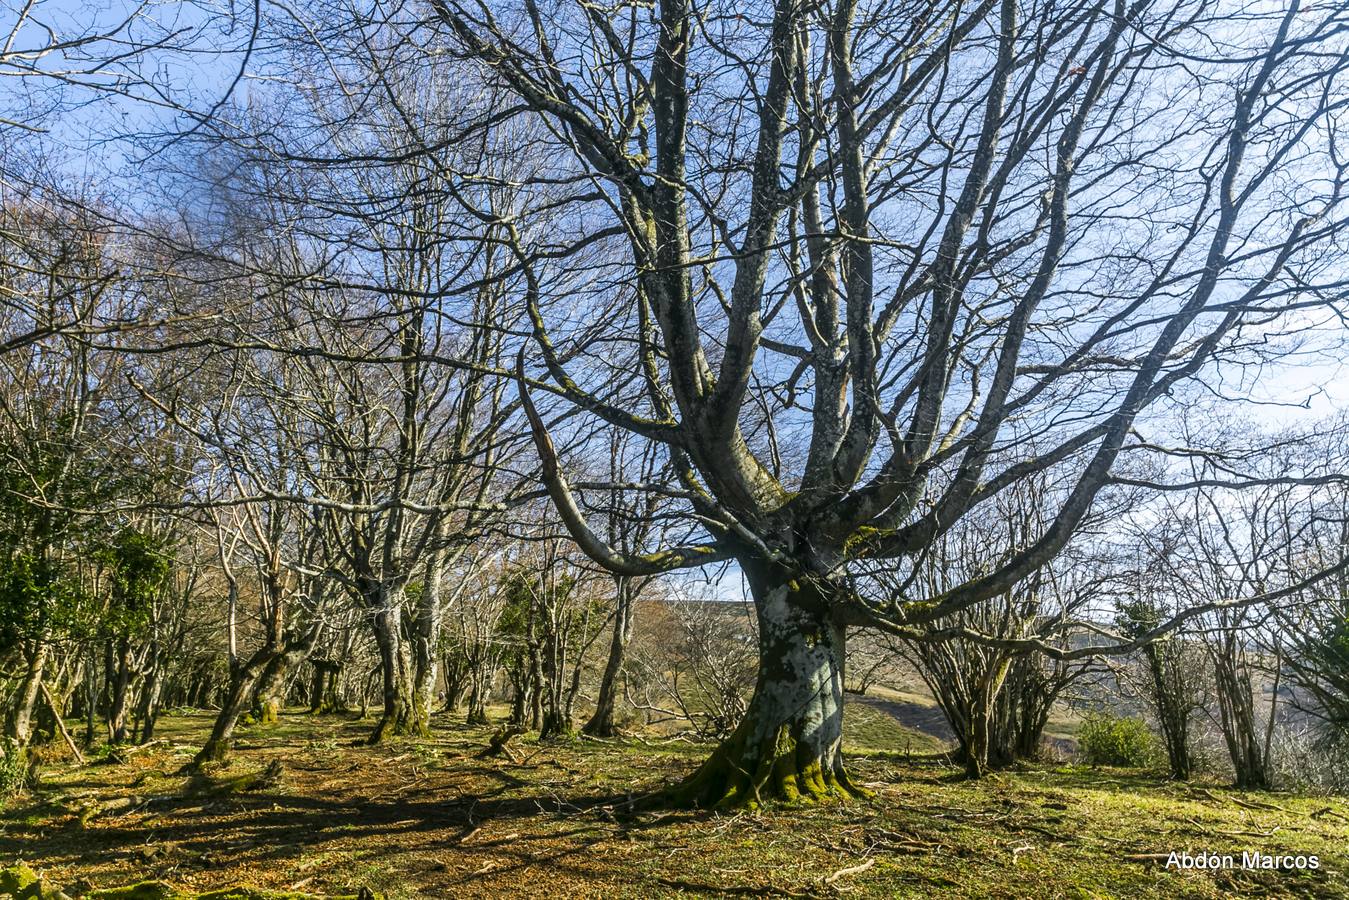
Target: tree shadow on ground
(263,828)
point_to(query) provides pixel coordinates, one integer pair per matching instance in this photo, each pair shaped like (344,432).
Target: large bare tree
(841,260)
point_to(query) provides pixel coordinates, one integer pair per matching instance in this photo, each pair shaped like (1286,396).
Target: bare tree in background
(631,520)
(1316,633)
(1241,547)
(389,321)
(997,696)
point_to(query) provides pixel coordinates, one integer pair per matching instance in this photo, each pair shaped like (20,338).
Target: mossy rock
(22,883)
(16,879)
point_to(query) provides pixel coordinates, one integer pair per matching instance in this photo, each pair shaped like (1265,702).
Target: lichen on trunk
(788,747)
(403,714)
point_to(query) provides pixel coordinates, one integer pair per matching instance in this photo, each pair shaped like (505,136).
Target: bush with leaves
(1108,740)
(15,770)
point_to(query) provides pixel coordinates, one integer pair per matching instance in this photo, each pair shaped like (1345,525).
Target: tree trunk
(518,673)
(317,681)
(323,697)
(455,668)
(601,724)
(150,695)
(426,646)
(91,697)
(399,716)
(789,744)
(242,682)
(121,688)
(1172,711)
(556,720)
(535,676)
(979,742)
(269,695)
(19,728)
(477,705)
(1237,715)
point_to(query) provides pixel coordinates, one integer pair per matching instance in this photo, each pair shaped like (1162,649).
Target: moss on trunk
(788,748)
(790,772)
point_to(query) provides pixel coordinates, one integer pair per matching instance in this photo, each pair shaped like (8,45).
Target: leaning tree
(842,261)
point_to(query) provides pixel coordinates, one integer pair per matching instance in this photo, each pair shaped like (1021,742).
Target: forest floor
(305,807)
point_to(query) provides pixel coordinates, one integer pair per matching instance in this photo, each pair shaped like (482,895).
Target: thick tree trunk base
(400,721)
(268,714)
(213,751)
(790,772)
(788,748)
(555,727)
(600,727)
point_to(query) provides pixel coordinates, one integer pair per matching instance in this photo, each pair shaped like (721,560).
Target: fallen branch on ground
(499,745)
(850,870)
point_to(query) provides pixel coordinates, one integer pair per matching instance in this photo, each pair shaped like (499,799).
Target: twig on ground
(849,870)
(1245,804)
(1330,812)
(1242,833)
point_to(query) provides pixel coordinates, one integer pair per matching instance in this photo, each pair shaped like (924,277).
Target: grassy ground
(868,726)
(303,808)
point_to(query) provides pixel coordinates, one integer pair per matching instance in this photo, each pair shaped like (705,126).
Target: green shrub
(14,770)
(1109,740)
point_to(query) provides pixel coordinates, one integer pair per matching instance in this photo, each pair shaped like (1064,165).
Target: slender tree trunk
(237,697)
(520,694)
(536,685)
(1172,711)
(148,710)
(1035,702)
(980,740)
(601,724)
(91,697)
(121,689)
(456,678)
(1236,706)
(480,684)
(316,683)
(789,744)
(19,728)
(555,720)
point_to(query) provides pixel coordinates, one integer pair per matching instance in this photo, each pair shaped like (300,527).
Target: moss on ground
(428,818)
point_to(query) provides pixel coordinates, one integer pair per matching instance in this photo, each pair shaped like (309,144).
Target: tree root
(789,772)
(402,721)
